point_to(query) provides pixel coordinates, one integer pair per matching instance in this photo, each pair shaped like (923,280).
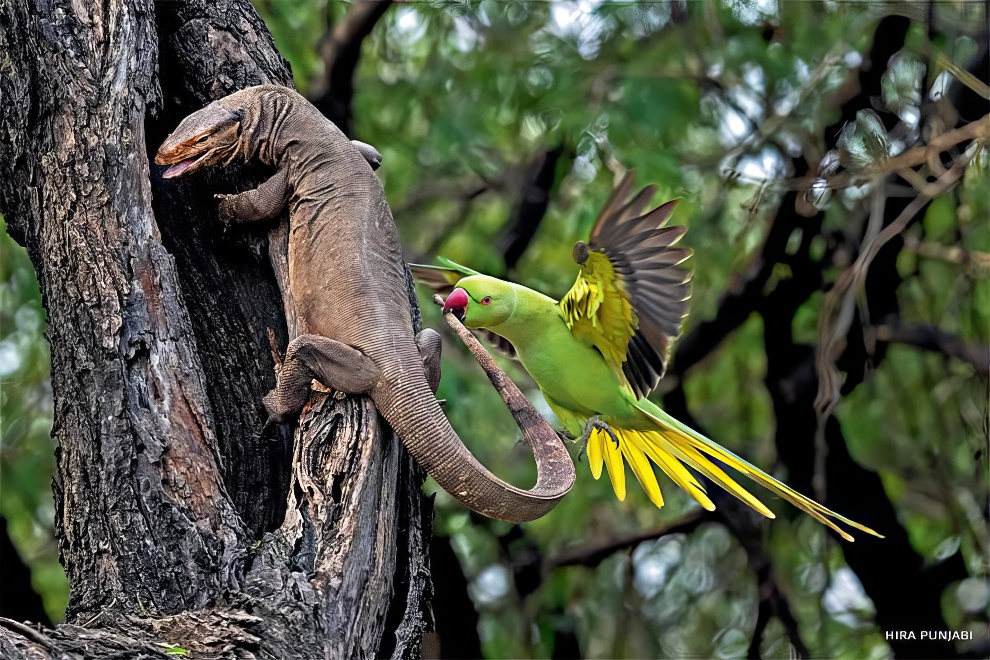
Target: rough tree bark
(170,502)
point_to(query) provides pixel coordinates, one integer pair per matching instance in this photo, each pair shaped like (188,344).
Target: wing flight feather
(630,296)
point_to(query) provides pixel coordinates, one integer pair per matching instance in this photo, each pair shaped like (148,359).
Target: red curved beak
(457,300)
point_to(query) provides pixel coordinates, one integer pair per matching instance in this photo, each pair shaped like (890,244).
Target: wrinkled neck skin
(270,129)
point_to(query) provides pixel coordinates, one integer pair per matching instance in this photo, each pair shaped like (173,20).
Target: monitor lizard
(347,283)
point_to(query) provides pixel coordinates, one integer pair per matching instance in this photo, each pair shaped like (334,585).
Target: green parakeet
(603,348)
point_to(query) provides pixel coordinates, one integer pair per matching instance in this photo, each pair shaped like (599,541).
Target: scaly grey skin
(369,152)
(347,280)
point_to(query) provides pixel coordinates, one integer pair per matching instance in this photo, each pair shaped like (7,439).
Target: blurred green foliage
(461,98)
(26,450)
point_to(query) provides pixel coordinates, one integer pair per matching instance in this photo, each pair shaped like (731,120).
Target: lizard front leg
(261,203)
(335,365)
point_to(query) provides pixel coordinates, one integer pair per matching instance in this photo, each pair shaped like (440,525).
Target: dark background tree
(840,336)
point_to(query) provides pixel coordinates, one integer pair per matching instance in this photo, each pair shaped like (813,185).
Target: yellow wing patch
(597,310)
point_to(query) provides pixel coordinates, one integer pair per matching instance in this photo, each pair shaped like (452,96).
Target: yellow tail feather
(672,446)
(673,468)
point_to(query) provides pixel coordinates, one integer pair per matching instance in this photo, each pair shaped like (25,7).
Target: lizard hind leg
(370,154)
(430,345)
(335,365)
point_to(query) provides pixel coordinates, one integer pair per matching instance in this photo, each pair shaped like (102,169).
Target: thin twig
(835,326)
(933,339)
(974,263)
(338,48)
(978,130)
(28,632)
(100,613)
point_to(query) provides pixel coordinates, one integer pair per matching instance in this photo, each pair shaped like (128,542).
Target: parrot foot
(596,422)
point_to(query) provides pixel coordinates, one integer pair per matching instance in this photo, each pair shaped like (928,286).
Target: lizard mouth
(185,166)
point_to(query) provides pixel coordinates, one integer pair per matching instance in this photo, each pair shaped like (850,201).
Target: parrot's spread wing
(442,280)
(630,297)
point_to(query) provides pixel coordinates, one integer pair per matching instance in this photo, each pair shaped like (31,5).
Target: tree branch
(743,296)
(340,49)
(973,262)
(930,338)
(228,281)
(457,619)
(773,603)
(532,207)
(746,526)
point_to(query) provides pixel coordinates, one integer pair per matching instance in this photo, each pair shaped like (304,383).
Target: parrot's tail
(672,446)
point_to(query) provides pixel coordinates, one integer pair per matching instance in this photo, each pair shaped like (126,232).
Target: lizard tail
(672,446)
(407,403)
(427,435)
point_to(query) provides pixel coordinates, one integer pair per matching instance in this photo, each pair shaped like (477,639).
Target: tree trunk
(179,523)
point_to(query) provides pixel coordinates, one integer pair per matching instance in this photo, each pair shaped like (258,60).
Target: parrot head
(480,301)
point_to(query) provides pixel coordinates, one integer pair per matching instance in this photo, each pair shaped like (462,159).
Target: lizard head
(480,301)
(204,138)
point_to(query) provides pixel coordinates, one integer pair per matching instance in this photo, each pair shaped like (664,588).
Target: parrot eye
(487,300)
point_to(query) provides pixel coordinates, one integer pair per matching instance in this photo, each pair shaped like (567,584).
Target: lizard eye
(487,300)
(202,138)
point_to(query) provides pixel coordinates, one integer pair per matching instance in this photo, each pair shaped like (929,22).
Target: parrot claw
(582,452)
(596,422)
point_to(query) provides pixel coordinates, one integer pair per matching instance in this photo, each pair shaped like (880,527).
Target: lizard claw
(225,210)
(275,416)
(267,426)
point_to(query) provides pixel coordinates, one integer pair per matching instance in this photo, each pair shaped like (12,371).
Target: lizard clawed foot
(269,424)
(276,414)
(225,209)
